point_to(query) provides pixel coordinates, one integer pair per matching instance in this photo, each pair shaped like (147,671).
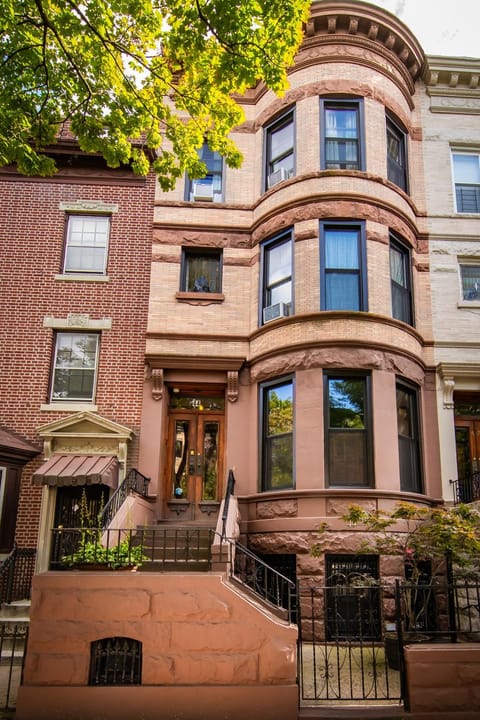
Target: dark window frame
(190,183)
(402,293)
(341,225)
(368,479)
(471,294)
(201,286)
(284,120)
(397,172)
(265,443)
(266,287)
(409,438)
(349,103)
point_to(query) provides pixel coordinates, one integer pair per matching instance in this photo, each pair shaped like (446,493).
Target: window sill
(469,304)
(199,298)
(66,406)
(82,277)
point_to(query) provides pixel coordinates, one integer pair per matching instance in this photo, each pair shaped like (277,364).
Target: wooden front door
(195,465)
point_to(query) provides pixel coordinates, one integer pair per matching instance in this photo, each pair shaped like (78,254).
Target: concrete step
(19,609)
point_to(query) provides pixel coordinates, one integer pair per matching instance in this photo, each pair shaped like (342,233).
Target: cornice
(453,84)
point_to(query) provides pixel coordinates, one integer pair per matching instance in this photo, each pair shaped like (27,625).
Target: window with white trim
(86,244)
(75,366)
(470,279)
(466,174)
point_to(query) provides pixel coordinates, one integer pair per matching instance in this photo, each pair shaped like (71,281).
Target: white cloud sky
(443,27)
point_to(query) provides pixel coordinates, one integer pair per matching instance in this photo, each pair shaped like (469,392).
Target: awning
(78,470)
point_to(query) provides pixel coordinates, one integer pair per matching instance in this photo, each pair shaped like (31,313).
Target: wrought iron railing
(266,582)
(228,494)
(134,481)
(159,548)
(16,573)
(466,490)
(13,642)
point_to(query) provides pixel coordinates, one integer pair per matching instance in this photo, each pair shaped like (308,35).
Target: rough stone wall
(195,629)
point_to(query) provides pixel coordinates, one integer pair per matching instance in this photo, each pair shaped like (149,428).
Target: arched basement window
(115,661)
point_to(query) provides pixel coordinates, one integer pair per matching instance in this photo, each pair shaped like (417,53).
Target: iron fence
(16,573)
(13,641)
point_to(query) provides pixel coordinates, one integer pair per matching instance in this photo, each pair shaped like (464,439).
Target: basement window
(115,661)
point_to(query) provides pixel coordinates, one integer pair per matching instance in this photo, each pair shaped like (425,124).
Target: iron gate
(13,640)
(342,654)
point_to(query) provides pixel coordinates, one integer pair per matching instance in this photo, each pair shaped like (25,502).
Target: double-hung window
(280,150)
(400,281)
(470,279)
(466,173)
(343,266)
(201,270)
(276,432)
(348,445)
(86,244)
(342,135)
(210,187)
(75,366)
(396,155)
(408,438)
(277,270)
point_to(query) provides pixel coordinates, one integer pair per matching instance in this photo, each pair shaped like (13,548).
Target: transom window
(276,291)
(396,155)
(277,434)
(466,172)
(115,661)
(400,280)
(470,277)
(341,135)
(210,187)
(86,244)
(201,270)
(75,366)
(343,266)
(280,150)
(348,430)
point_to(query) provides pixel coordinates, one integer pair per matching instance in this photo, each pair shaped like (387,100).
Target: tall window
(342,135)
(470,277)
(348,430)
(201,270)
(466,172)
(396,155)
(280,150)
(343,266)
(86,244)
(408,438)
(75,366)
(276,291)
(276,428)
(400,280)
(210,187)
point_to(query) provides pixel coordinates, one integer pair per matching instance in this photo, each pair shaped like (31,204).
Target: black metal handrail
(134,481)
(266,582)
(228,494)
(16,573)
(466,490)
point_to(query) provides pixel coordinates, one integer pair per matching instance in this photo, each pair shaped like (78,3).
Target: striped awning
(78,470)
